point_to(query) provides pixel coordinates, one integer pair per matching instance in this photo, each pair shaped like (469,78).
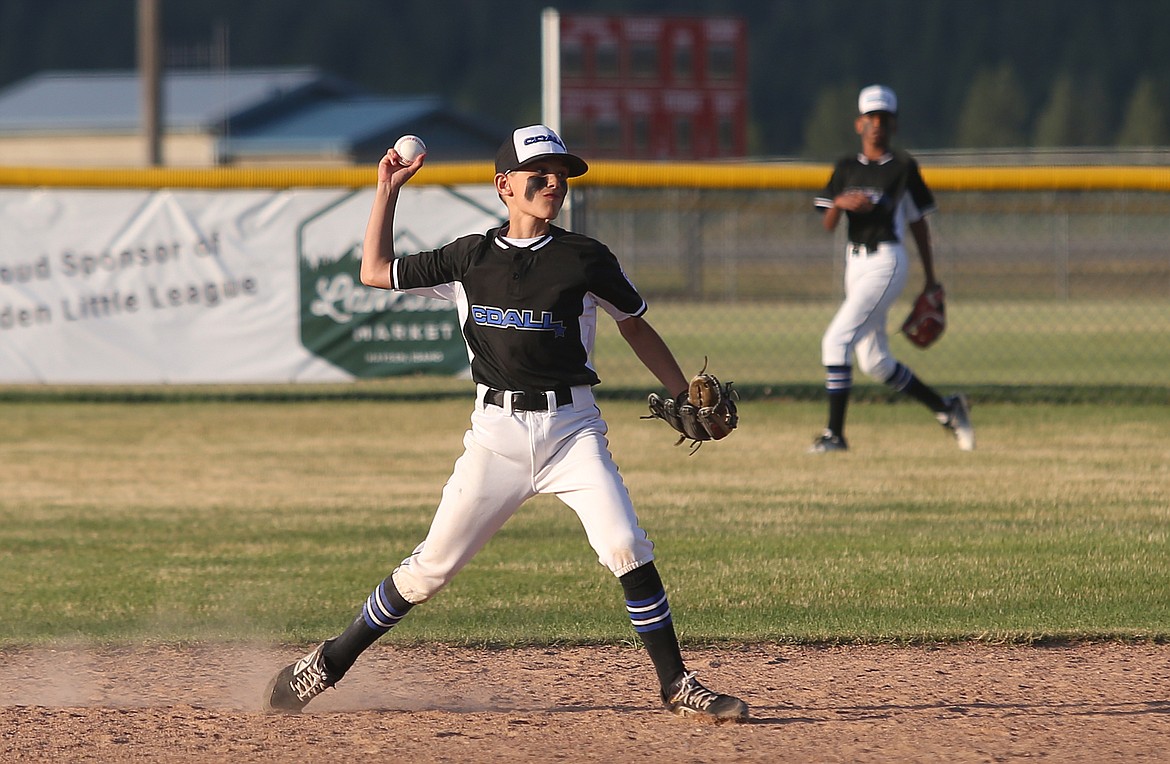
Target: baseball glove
(705,411)
(928,318)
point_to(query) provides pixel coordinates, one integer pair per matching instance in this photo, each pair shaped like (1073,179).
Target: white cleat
(957,418)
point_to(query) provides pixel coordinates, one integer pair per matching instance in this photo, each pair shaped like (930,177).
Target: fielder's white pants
(509,457)
(873,282)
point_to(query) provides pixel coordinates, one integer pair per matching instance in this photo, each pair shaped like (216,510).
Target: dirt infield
(964,703)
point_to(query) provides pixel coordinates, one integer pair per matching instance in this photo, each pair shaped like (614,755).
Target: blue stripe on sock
(900,378)
(378,613)
(635,604)
(838,378)
(649,614)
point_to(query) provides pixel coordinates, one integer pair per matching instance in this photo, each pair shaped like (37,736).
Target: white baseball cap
(528,144)
(877,98)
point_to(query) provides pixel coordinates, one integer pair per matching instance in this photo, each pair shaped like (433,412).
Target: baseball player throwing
(882,194)
(528,296)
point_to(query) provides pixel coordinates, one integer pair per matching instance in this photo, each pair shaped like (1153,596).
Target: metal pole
(150,77)
(550,88)
(550,68)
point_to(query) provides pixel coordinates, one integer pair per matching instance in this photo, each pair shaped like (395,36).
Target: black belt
(865,250)
(522,401)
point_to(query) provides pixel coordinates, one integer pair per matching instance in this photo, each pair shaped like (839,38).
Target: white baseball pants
(873,281)
(509,457)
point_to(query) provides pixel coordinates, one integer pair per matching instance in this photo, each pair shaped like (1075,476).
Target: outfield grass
(1010,351)
(176,521)
(987,343)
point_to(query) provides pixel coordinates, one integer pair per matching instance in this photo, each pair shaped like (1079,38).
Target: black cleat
(827,442)
(686,697)
(297,684)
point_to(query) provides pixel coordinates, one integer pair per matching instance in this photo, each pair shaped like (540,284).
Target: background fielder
(883,195)
(528,295)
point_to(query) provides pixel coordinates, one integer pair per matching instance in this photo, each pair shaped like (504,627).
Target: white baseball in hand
(410,148)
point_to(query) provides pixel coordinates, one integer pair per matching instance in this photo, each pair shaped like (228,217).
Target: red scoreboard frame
(654,87)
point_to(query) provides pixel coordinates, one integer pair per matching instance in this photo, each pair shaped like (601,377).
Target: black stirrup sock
(384,608)
(906,381)
(650,615)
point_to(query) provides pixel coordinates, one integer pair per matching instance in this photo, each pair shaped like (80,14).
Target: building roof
(192,101)
(249,113)
(363,128)
(347,120)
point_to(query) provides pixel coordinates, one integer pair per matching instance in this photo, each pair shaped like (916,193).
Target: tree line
(996,113)
(970,75)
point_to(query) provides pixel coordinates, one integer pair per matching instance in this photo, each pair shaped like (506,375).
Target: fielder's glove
(928,318)
(705,411)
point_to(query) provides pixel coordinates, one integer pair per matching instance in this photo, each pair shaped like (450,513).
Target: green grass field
(1021,343)
(1102,351)
(209,520)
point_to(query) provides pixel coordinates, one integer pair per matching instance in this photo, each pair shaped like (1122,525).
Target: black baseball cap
(534,142)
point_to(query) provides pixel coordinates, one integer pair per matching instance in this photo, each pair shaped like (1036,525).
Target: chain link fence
(1058,278)
(1046,288)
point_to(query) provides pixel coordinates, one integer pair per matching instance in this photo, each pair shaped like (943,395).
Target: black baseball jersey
(895,186)
(528,314)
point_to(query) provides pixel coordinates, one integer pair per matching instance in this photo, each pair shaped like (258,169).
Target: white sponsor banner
(194,286)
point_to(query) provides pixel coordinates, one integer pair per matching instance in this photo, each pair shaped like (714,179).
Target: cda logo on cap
(877,98)
(529,144)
